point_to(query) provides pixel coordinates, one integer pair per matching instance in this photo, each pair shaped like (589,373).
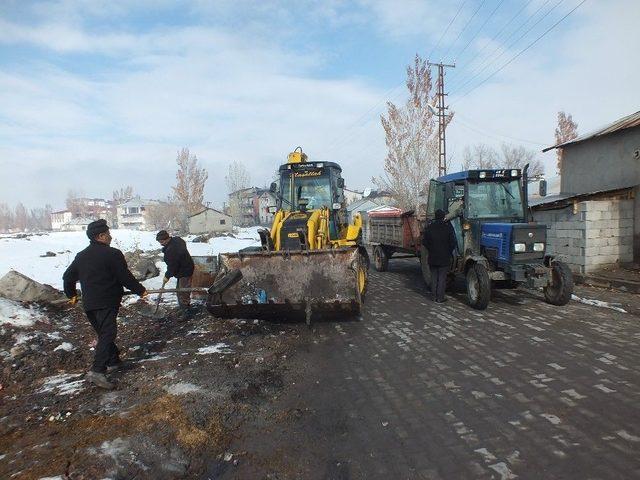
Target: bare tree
(123,195)
(482,156)
(479,157)
(21,217)
(411,139)
(566,131)
(7,218)
(237,178)
(75,205)
(165,216)
(188,194)
(517,156)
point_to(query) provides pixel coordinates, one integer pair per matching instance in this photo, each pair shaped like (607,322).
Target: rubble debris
(143,266)
(48,254)
(20,288)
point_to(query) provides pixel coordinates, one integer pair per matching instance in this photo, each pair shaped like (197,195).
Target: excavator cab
(311,260)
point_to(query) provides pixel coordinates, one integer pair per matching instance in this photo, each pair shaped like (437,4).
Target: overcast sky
(96,95)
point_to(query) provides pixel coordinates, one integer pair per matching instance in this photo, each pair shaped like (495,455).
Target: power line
(505,49)
(447,29)
(464,28)
(523,50)
(497,35)
(495,135)
(480,29)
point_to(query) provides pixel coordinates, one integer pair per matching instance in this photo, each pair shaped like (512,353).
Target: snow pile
(182,388)
(13,313)
(598,303)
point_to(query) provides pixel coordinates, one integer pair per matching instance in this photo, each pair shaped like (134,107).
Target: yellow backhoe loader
(311,261)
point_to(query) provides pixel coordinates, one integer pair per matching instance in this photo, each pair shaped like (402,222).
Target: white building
(59,219)
(78,224)
(266,199)
(210,220)
(132,214)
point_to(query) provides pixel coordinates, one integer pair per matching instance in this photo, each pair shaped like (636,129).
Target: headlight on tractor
(519,247)
(538,247)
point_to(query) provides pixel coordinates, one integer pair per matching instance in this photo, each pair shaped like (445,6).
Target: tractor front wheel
(478,286)
(560,290)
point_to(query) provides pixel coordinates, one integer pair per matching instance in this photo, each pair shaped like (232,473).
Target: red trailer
(392,231)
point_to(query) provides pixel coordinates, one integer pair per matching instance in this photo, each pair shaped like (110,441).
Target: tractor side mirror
(274,187)
(542,188)
(340,182)
(272,209)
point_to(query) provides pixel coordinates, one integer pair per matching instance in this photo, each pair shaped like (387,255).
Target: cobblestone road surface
(417,390)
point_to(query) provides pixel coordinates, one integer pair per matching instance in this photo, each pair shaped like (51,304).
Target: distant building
(59,219)
(77,224)
(244,207)
(133,214)
(266,199)
(210,220)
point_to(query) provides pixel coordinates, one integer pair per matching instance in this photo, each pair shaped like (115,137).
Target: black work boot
(99,379)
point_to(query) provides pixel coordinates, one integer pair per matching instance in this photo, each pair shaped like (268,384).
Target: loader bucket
(291,284)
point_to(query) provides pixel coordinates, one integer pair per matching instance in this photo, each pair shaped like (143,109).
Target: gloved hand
(73,300)
(144,294)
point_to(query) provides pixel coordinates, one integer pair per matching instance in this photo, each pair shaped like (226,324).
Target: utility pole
(442,108)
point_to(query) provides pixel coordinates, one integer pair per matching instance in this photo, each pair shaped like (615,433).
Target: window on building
(223,221)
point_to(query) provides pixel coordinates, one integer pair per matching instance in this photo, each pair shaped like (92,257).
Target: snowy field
(24,256)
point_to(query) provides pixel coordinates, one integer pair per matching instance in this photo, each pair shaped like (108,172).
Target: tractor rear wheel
(478,286)
(561,288)
(380,258)
(424,263)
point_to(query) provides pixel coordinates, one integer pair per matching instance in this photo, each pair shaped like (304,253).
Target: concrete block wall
(598,235)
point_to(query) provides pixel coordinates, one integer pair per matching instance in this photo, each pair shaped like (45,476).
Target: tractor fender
(473,259)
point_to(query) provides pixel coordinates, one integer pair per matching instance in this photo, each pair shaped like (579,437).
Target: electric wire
(522,51)
(464,28)
(446,29)
(479,30)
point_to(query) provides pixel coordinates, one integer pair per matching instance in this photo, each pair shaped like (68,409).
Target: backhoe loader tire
(559,292)
(380,259)
(424,263)
(478,286)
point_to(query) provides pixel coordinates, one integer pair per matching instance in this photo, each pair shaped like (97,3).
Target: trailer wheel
(478,286)
(380,259)
(561,288)
(424,263)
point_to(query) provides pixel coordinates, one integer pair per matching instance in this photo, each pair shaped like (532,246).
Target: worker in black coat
(102,272)
(179,265)
(439,239)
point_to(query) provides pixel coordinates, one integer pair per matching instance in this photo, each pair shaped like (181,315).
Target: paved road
(422,391)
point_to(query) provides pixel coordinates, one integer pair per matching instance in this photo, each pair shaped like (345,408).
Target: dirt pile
(185,390)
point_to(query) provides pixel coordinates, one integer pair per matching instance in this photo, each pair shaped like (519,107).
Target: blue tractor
(497,246)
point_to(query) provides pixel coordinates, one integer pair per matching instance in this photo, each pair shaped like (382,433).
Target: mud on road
(186,389)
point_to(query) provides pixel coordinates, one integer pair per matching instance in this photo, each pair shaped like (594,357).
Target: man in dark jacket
(102,272)
(439,239)
(179,265)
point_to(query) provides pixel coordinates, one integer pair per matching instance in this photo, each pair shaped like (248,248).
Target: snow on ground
(63,384)
(598,303)
(17,315)
(23,254)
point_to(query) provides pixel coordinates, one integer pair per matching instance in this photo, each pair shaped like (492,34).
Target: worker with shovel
(179,265)
(102,272)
